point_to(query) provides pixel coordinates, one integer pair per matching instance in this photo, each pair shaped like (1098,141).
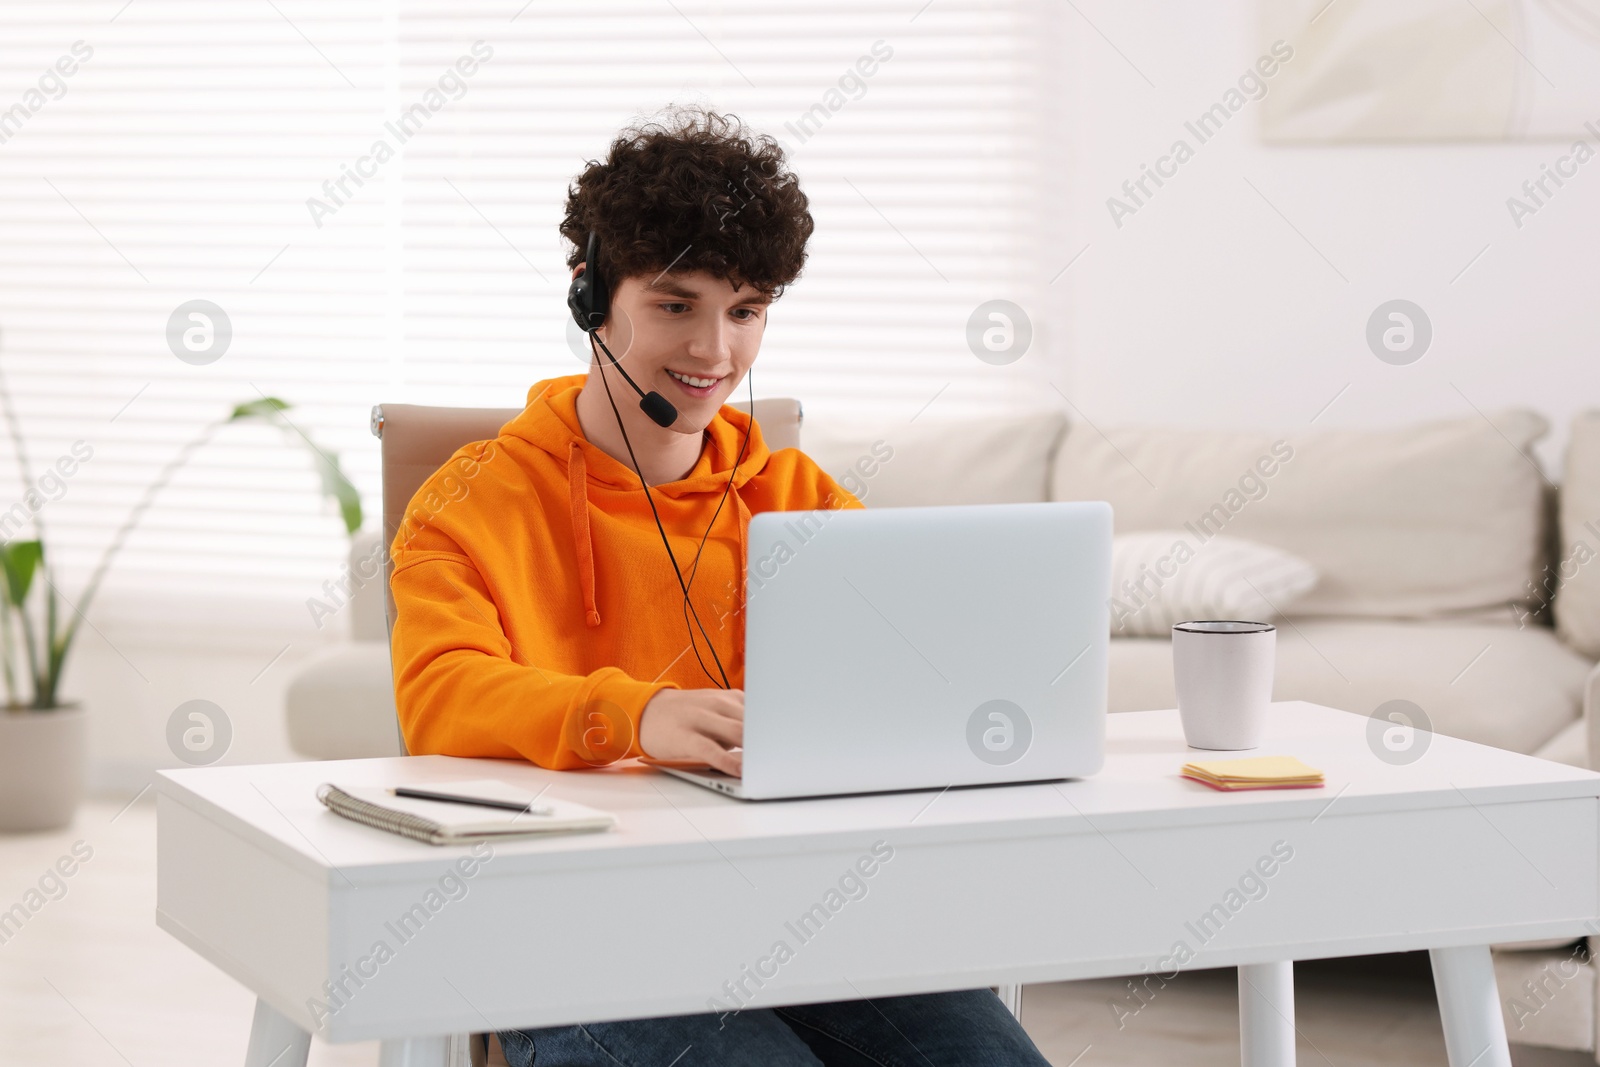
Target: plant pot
(44,764)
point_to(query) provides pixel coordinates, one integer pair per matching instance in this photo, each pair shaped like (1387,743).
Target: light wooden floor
(89,979)
(1350,1013)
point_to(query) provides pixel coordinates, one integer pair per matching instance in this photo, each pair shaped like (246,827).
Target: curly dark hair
(695,192)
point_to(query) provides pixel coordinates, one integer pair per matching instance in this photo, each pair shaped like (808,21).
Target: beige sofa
(1452,574)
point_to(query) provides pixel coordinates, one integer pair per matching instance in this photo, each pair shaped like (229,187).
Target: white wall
(1207,308)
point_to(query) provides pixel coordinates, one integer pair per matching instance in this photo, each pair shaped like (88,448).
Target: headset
(589,300)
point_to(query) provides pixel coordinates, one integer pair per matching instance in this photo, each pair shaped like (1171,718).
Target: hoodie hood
(549,423)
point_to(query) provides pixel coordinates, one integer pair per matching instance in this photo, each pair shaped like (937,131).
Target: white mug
(1223,670)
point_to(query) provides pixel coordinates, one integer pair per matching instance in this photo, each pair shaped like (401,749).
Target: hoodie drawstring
(578,499)
(583,543)
(744,521)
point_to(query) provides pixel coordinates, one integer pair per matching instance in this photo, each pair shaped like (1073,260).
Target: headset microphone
(653,404)
(590,303)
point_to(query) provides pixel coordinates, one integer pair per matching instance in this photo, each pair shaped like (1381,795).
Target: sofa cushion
(1167,576)
(1491,683)
(1419,520)
(1561,1015)
(1570,746)
(1576,575)
(340,705)
(364,578)
(992,460)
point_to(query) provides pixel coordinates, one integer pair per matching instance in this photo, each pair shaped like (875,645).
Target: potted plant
(43,738)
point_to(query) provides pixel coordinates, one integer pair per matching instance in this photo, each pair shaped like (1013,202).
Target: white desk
(989,886)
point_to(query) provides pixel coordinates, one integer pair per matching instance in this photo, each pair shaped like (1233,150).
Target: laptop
(922,648)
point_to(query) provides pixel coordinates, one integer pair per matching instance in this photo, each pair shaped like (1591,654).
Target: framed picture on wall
(1433,70)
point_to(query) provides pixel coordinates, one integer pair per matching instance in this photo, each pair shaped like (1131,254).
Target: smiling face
(666,328)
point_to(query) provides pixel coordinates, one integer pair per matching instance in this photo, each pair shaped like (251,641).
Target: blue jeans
(970,1028)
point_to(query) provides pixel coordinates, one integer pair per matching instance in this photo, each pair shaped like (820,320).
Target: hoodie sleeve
(461,689)
(804,484)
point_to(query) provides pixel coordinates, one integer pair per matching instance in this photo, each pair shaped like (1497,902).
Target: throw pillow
(1162,577)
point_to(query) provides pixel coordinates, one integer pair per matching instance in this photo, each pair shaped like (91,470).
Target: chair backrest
(417,440)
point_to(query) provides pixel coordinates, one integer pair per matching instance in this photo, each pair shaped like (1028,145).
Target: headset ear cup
(587,297)
(578,301)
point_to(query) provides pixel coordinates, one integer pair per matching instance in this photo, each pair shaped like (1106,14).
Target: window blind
(370,193)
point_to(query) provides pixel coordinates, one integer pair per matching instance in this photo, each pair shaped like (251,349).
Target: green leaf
(55,652)
(336,485)
(259,409)
(20,559)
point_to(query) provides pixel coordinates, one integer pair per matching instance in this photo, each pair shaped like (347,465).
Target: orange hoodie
(536,611)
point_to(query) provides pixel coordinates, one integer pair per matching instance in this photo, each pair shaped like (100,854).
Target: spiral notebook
(440,822)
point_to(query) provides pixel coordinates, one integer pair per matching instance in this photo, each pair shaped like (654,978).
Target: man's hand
(695,724)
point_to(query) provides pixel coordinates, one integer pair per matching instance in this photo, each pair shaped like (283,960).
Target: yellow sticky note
(1256,769)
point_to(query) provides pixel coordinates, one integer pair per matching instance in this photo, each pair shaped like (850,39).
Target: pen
(482,802)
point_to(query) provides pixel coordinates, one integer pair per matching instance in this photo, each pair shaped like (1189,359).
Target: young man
(538,614)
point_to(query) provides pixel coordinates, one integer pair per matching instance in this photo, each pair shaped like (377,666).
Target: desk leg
(1011,997)
(275,1041)
(1469,1007)
(1266,1014)
(416,1052)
